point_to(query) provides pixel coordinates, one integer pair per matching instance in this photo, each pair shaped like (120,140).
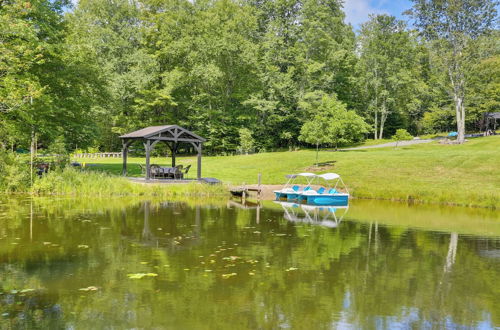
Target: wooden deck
(244,191)
(161,181)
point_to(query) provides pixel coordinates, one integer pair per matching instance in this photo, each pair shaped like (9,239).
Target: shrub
(246,140)
(14,172)
(401,135)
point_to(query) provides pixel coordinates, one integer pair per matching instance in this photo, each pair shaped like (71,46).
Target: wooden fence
(98,155)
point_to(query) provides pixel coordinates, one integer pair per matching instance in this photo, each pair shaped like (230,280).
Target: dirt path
(391,144)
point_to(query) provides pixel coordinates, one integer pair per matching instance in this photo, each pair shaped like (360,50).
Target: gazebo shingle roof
(145,132)
(150,131)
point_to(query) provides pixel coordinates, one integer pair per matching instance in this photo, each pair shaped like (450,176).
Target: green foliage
(391,74)
(44,87)
(20,51)
(92,72)
(437,120)
(401,135)
(330,122)
(484,87)
(14,172)
(246,140)
(58,150)
(452,28)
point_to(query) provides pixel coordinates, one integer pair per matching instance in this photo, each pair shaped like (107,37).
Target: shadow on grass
(326,163)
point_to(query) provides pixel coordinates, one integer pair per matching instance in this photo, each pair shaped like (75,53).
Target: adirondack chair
(156,171)
(178,172)
(186,171)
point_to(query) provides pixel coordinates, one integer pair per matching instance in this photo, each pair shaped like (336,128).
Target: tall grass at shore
(73,182)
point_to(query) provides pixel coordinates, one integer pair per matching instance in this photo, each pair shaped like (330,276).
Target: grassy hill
(466,174)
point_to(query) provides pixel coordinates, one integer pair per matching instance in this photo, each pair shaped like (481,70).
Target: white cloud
(357,11)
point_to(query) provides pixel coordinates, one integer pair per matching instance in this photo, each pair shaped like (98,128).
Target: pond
(94,264)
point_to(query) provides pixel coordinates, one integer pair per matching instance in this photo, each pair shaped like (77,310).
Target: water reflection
(67,264)
(314,215)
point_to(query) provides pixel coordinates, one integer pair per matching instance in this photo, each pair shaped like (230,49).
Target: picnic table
(166,171)
(176,172)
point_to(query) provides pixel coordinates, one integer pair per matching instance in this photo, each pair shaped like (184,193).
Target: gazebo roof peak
(166,132)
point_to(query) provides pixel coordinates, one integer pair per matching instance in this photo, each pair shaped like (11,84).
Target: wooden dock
(244,191)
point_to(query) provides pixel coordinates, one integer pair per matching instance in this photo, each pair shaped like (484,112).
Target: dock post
(259,189)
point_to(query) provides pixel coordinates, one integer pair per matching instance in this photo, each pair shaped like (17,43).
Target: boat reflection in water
(326,216)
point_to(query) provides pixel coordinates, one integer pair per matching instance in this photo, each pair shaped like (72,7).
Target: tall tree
(388,70)
(305,46)
(108,35)
(452,26)
(206,55)
(275,97)
(329,121)
(45,91)
(483,86)
(21,50)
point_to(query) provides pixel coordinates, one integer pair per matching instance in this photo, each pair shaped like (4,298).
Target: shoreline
(267,194)
(197,189)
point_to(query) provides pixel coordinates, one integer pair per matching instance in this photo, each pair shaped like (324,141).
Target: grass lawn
(452,174)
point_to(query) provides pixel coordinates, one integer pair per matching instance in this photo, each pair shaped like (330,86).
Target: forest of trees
(86,73)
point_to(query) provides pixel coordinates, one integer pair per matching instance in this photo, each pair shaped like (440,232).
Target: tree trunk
(376,100)
(32,154)
(383,117)
(458,85)
(460,114)
(317,151)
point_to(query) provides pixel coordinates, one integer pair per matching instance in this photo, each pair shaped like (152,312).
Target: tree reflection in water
(227,266)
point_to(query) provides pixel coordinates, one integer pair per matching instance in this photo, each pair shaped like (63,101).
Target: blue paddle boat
(332,190)
(333,193)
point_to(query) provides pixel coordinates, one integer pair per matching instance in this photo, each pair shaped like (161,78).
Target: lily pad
(138,276)
(89,288)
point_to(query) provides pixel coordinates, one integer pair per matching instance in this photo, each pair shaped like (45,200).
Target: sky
(357,11)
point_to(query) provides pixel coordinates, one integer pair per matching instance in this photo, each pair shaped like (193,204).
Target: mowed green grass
(466,174)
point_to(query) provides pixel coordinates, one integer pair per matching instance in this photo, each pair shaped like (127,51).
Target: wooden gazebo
(172,135)
(491,118)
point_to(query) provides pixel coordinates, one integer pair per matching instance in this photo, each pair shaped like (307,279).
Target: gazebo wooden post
(124,156)
(174,151)
(199,161)
(147,146)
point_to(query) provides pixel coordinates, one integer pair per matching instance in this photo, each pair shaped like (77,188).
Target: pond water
(73,264)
